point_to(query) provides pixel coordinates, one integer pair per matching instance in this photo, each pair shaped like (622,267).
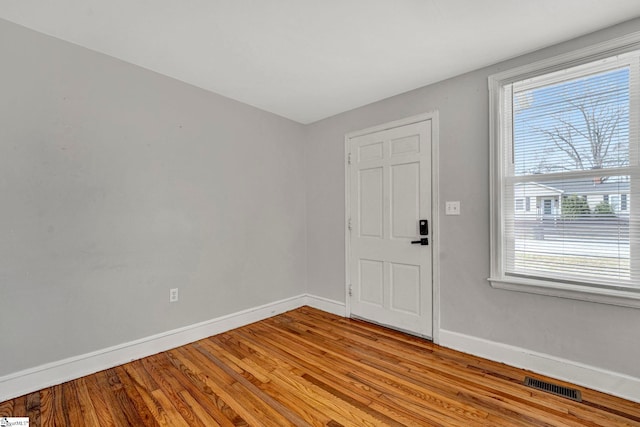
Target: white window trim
(602,51)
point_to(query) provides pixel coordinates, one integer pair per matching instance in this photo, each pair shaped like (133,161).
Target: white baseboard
(328,305)
(58,372)
(614,383)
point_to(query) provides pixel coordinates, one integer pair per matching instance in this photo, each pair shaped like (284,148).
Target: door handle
(423,241)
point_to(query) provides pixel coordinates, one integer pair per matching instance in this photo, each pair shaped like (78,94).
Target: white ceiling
(310,59)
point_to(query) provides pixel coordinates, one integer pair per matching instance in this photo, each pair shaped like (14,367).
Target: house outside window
(565,136)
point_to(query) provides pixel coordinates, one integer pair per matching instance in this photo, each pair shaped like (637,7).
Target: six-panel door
(390,191)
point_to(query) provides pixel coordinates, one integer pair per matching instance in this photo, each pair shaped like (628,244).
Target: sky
(551,133)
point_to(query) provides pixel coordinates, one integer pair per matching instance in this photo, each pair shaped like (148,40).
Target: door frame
(435,220)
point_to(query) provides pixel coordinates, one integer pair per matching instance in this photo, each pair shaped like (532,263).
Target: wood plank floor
(310,368)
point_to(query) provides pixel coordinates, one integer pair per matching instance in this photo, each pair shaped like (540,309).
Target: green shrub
(574,207)
(603,209)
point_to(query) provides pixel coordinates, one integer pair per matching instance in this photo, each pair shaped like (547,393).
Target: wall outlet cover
(173,295)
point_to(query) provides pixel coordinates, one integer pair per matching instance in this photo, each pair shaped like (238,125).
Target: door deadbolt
(424,227)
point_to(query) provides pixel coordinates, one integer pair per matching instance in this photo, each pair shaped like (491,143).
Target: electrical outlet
(173,295)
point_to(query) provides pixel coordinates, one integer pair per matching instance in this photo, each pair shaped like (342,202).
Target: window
(565,132)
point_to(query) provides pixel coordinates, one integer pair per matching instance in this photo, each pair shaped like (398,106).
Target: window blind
(570,196)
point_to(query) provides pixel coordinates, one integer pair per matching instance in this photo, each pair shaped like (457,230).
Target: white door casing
(389,189)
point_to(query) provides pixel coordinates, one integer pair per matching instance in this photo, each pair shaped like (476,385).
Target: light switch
(452,208)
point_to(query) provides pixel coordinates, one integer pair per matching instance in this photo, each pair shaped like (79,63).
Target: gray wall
(604,336)
(118,184)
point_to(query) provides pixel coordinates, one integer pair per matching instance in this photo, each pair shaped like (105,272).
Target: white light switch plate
(452,208)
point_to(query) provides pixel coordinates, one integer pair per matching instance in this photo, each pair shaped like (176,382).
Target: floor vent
(569,393)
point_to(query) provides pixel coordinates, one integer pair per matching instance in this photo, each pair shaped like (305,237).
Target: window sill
(565,290)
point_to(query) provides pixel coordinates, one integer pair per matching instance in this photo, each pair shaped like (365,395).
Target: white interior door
(390,192)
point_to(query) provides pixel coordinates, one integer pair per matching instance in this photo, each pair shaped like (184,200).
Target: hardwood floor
(307,367)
